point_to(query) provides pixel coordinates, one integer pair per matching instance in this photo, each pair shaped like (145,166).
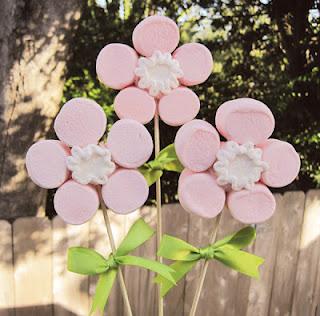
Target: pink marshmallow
(283,161)
(179,107)
(116,64)
(125,191)
(196,63)
(252,206)
(245,120)
(200,194)
(80,122)
(130,143)
(155,33)
(196,144)
(46,163)
(76,203)
(134,103)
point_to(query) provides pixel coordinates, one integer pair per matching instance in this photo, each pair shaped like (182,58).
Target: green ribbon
(89,262)
(228,251)
(166,160)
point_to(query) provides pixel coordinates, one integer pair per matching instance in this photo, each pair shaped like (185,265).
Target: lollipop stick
(113,248)
(158,199)
(204,270)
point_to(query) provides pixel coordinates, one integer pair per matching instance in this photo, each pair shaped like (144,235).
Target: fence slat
(198,234)
(175,223)
(220,288)
(141,289)
(6,270)
(287,253)
(266,247)
(32,239)
(305,300)
(70,290)
(98,239)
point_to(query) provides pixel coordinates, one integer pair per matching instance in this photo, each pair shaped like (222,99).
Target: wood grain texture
(266,247)
(175,222)
(141,289)
(70,290)
(6,270)
(305,300)
(289,283)
(32,252)
(291,216)
(220,287)
(198,234)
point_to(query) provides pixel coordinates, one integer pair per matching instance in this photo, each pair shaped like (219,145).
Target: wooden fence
(34,280)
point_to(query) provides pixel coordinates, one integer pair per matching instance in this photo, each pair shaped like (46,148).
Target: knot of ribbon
(89,262)
(111,262)
(206,253)
(227,250)
(166,160)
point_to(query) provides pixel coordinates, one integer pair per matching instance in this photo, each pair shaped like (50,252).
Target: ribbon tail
(161,269)
(241,261)
(177,249)
(103,289)
(181,268)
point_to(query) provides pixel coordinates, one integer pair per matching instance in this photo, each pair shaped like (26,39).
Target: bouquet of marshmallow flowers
(154,80)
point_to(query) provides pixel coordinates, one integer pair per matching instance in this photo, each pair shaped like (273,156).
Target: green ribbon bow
(166,160)
(89,262)
(228,251)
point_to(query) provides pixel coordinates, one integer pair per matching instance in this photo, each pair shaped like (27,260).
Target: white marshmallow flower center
(239,165)
(158,74)
(90,164)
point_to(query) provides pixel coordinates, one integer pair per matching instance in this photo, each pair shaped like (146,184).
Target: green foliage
(267,50)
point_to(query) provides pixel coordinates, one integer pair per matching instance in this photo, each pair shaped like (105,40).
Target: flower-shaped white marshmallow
(91,164)
(239,165)
(158,73)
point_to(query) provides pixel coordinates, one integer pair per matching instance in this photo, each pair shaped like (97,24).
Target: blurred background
(268,50)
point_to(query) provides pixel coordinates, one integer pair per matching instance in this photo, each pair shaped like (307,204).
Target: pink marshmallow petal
(196,144)
(76,203)
(155,33)
(179,107)
(252,206)
(115,65)
(196,63)
(200,194)
(134,103)
(80,122)
(245,120)
(130,143)
(46,163)
(283,161)
(125,191)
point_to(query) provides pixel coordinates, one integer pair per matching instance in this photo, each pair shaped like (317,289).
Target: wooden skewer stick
(204,270)
(158,200)
(113,248)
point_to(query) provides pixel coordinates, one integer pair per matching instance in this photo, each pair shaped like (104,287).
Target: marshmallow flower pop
(153,79)
(87,174)
(235,172)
